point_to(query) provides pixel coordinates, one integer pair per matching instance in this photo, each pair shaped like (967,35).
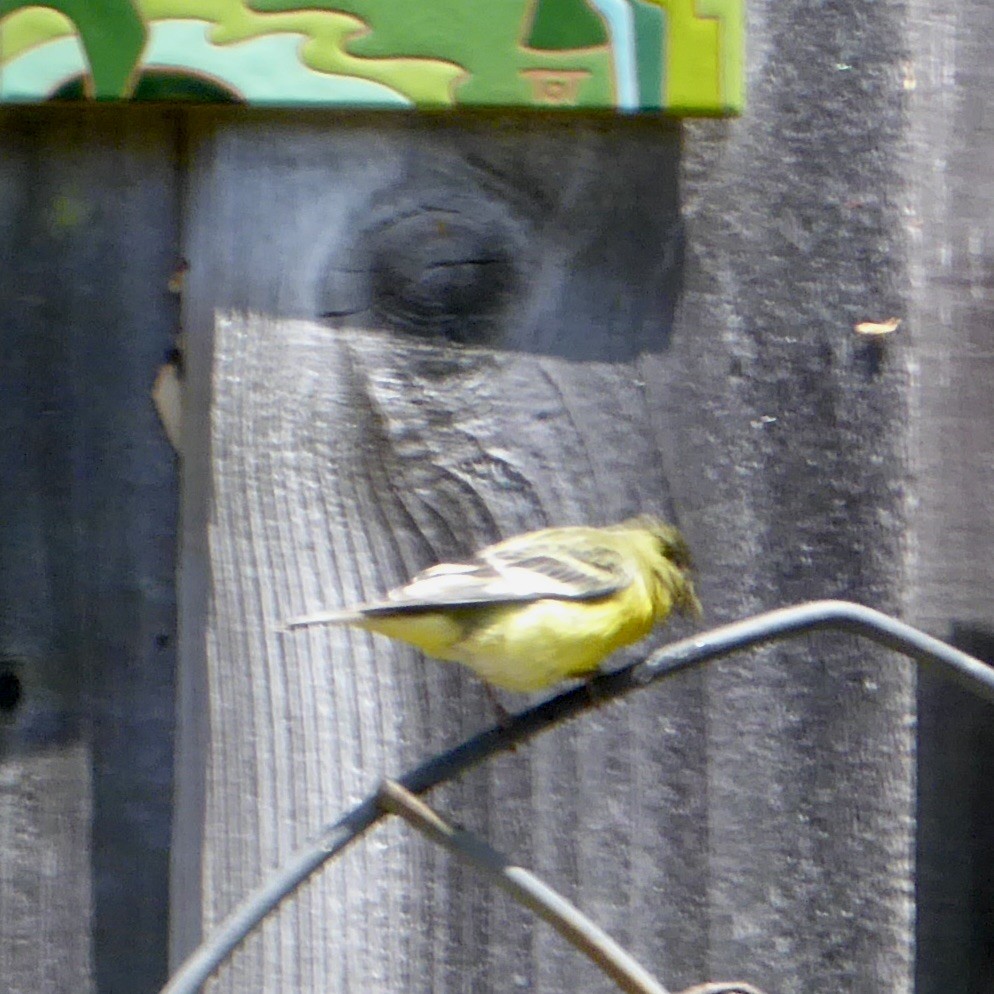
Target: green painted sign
(679,56)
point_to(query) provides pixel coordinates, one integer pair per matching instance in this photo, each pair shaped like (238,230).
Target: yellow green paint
(489,47)
(731,31)
(111,31)
(32,26)
(425,81)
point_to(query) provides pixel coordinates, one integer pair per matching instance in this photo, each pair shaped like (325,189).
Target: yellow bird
(540,607)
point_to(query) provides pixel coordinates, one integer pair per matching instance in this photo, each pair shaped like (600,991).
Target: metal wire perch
(525,888)
(539,897)
(771,626)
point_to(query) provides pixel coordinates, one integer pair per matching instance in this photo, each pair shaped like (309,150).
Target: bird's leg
(503,715)
(591,687)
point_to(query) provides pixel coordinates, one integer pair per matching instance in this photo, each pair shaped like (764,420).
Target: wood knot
(442,272)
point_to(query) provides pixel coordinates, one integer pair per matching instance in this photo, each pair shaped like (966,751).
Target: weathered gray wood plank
(752,822)
(795,460)
(951,234)
(87,526)
(344,458)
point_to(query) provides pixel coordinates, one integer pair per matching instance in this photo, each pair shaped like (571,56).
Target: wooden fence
(405,336)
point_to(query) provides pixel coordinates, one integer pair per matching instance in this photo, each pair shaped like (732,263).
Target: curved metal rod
(719,642)
(530,892)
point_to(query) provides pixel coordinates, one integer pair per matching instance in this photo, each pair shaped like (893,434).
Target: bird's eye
(675,549)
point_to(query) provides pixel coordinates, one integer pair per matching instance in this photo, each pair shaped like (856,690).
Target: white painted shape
(621,26)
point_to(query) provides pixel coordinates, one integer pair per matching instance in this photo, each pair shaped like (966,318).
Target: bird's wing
(511,573)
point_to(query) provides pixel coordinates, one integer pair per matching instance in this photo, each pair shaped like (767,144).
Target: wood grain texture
(751,822)
(951,233)
(87,526)
(344,457)
(794,467)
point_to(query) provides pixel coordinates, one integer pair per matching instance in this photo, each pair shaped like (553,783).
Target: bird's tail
(324,618)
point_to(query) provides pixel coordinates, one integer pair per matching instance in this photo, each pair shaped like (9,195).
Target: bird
(541,607)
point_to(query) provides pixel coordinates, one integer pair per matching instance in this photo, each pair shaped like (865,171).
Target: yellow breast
(532,646)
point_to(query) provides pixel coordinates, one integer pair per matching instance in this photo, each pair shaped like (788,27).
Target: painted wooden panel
(680,56)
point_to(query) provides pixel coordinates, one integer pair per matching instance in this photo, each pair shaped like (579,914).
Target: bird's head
(672,562)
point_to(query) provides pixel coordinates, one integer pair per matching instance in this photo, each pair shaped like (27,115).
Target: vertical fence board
(707,824)
(951,231)
(343,457)
(87,525)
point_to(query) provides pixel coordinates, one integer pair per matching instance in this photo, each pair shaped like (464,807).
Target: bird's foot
(590,683)
(504,717)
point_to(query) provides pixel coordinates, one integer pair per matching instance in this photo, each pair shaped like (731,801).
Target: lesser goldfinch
(541,607)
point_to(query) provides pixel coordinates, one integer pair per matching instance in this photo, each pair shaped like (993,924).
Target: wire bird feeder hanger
(396,796)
